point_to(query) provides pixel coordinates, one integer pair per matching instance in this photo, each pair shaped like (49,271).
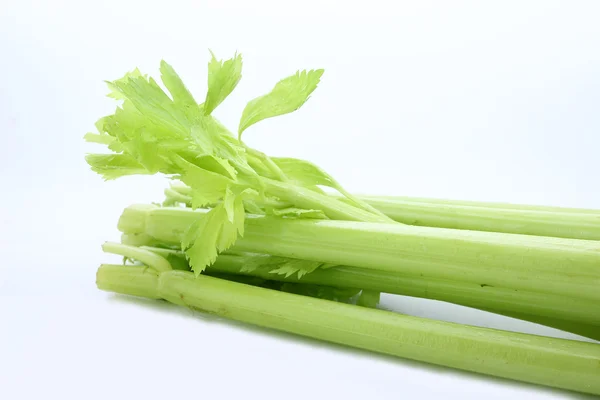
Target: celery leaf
(223,77)
(112,166)
(214,232)
(304,172)
(287,96)
(293,266)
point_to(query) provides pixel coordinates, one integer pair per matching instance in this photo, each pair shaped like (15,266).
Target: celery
(129,279)
(566,364)
(560,267)
(572,315)
(495,205)
(561,222)
(277,207)
(168,132)
(568,314)
(527,220)
(543,280)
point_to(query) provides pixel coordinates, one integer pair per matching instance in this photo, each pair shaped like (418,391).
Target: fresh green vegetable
(560,363)
(165,259)
(562,222)
(560,307)
(559,267)
(308,279)
(527,220)
(300,235)
(155,132)
(572,315)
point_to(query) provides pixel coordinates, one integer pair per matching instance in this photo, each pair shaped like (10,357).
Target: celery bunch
(253,237)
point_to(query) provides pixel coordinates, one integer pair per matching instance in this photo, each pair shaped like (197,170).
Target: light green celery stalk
(504,206)
(157,260)
(144,256)
(491,217)
(561,267)
(153,131)
(527,220)
(343,295)
(544,280)
(572,315)
(565,364)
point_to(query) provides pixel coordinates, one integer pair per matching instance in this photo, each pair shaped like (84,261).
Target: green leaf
(100,138)
(232,228)
(211,234)
(307,174)
(112,166)
(304,172)
(115,93)
(154,105)
(229,204)
(180,94)
(252,262)
(149,126)
(200,240)
(292,266)
(287,96)
(158,130)
(207,187)
(279,265)
(223,77)
(103,137)
(216,164)
(226,146)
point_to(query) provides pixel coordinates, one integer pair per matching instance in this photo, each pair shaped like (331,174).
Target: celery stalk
(332,207)
(527,220)
(572,315)
(561,222)
(128,279)
(497,205)
(562,267)
(566,364)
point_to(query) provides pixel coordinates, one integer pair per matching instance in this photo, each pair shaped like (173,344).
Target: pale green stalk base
(560,363)
(134,280)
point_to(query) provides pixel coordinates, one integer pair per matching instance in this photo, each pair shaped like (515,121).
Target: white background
(468,100)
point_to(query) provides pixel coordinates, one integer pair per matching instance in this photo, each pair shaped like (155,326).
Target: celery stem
(561,363)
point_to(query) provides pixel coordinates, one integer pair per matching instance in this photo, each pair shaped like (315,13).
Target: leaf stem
(147,257)
(266,160)
(309,199)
